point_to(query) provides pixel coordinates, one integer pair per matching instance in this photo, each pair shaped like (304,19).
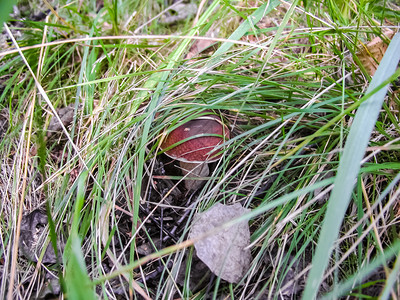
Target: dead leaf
(182,11)
(198,47)
(200,274)
(372,53)
(31,239)
(224,252)
(50,289)
(66,115)
(148,248)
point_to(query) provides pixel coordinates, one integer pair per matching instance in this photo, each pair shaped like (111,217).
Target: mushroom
(193,145)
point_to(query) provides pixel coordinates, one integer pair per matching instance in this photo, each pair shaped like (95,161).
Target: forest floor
(297,197)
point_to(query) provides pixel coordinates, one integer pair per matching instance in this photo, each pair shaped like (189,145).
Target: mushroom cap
(200,137)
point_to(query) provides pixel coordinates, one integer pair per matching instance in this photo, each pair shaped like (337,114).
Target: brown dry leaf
(226,252)
(66,115)
(372,53)
(198,47)
(31,240)
(203,45)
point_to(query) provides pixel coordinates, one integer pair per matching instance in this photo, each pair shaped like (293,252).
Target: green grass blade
(5,9)
(252,214)
(261,12)
(364,272)
(77,281)
(78,284)
(159,81)
(393,277)
(349,167)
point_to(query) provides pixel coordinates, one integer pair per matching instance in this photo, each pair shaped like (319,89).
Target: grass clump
(308,154)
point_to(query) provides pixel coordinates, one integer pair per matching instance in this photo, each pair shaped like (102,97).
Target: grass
(288,83)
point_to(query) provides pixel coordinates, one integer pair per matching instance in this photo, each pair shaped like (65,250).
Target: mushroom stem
(194,170)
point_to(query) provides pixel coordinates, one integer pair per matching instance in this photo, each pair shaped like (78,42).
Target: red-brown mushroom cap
(201,136)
